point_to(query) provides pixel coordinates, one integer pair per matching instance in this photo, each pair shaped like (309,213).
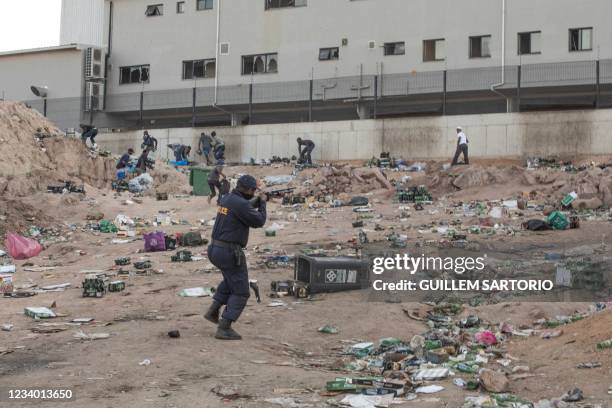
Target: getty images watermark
(459,265)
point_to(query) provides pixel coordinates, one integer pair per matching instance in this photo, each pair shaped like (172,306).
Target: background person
(219,146)
(148,142)
(89,132)
(305,148)
(214,182)
(462,147)
(205,146)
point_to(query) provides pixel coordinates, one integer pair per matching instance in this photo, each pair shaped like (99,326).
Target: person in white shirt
(462,147)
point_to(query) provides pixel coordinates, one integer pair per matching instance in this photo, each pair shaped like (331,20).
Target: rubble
(494,381)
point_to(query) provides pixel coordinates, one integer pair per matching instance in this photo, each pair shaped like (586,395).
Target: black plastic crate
(332,274)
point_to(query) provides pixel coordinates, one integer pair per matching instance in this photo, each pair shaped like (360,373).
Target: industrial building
(154,63)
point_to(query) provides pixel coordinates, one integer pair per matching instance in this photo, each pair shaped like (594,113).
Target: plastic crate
(558,220)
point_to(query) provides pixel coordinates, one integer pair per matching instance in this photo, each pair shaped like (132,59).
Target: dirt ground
(282,354)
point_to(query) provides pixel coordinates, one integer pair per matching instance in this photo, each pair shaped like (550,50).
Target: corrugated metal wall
(82,22)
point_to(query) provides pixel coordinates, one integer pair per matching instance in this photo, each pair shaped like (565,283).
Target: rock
(605,188)
(573,395)
(520,369)
(587,204)
(94,216)
(494,381)
(417,344)
(228,392)
(552,334)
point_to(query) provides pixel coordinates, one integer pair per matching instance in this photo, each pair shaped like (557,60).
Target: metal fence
(581,84)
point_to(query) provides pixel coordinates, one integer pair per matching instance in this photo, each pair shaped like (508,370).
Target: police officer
(237,212)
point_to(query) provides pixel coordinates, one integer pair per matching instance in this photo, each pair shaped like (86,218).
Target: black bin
(332,274)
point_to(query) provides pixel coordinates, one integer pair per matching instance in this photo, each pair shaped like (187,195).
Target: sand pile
(16,215)
(29,164)
(169,180)
(334,181)
(551,183)
(555,360)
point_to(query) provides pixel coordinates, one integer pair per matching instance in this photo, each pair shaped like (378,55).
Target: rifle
(278,193)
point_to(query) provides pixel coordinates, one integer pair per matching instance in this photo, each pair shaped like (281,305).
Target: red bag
(19,247)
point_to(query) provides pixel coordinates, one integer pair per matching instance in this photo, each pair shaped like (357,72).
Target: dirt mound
(170,181)
(16,215)
(466,177)
(550,183)
(333,181)
(28,163)
(554,361)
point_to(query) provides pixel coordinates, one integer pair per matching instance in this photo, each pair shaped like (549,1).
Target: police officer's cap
(247,181)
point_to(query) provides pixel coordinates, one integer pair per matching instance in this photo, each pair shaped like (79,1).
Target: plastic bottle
(465,368)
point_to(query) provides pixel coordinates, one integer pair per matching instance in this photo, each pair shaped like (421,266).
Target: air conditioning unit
(372,44)
(224,48)
(94,96)
(94,63)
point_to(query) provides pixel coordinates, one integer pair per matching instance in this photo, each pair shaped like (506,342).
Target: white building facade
(199,62)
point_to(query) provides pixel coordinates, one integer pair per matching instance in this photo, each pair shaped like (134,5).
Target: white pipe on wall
(217,50)
(503,58)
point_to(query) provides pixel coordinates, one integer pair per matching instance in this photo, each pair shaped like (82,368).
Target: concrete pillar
(238,118)
(363,110)
(512,104)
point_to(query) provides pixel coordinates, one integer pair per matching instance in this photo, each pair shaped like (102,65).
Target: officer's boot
(225,331)
(212,315)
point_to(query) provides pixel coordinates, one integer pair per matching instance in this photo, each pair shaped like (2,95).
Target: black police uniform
(235,215)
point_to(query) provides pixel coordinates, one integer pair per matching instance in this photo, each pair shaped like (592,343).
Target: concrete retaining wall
(514,135)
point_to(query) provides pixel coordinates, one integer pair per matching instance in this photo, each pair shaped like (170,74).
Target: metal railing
(581,84)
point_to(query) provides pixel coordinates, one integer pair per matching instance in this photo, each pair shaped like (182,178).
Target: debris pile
(467,349)
(593,185)
(333,181)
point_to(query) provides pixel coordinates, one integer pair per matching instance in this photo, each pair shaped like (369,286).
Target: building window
(395,48)
(530,43)
(274,4)
(434,50)
(204,68)
(135,74)
(581,39)
(204,4)
(180,7)
(155,10)
(328,54)
(260,64)
(480,46)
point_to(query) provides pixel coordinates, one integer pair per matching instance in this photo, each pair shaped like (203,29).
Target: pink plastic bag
(19,247)
(486,337)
